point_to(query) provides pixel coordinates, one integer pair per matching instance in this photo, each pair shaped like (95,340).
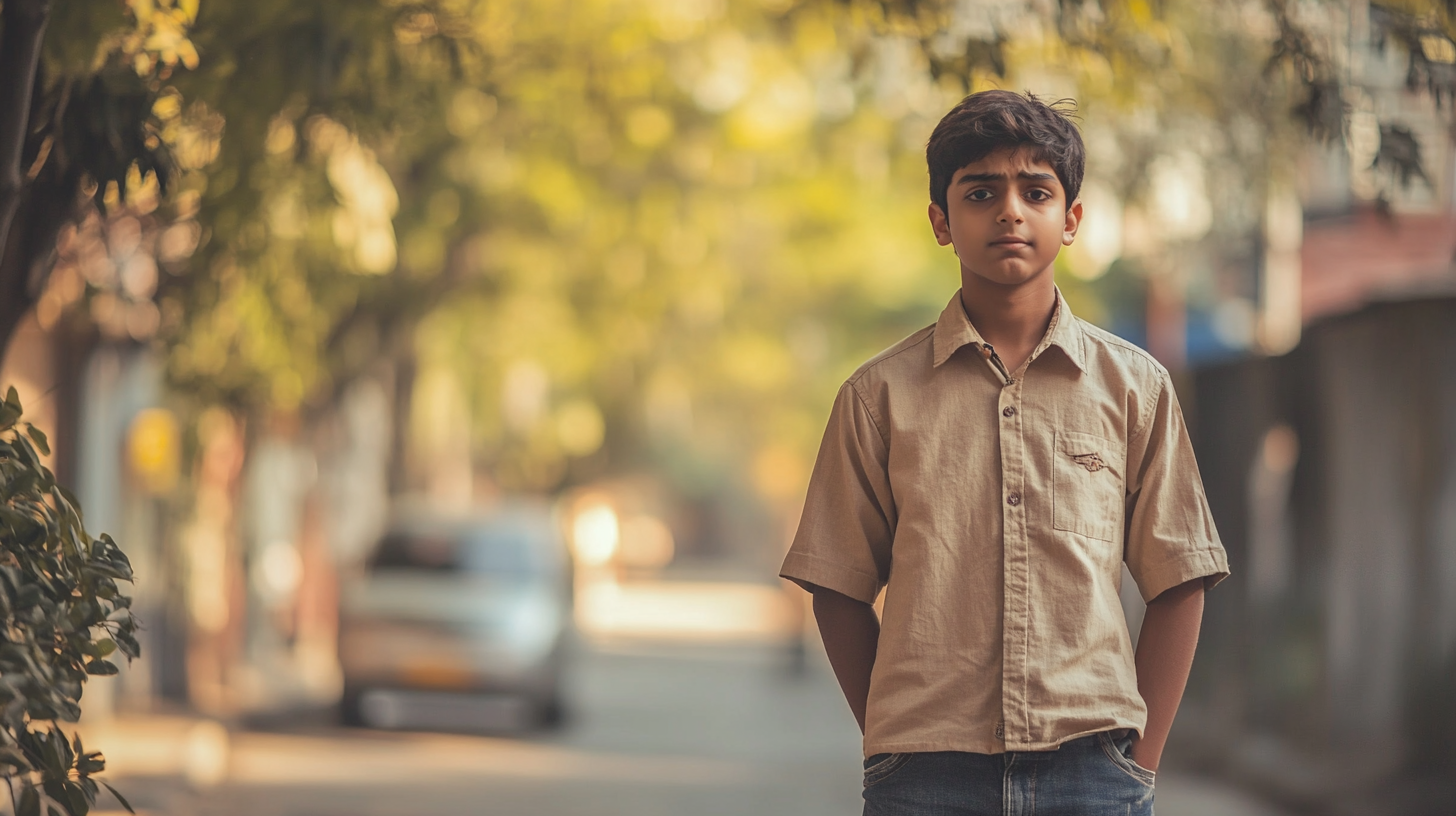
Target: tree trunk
(24,24)
(400,480)
(73,342)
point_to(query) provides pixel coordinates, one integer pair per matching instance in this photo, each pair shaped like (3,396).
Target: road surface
(657,730)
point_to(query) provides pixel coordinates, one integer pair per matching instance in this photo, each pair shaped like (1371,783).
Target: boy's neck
(1013,319)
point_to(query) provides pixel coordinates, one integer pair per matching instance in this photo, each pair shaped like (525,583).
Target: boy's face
(1007,217)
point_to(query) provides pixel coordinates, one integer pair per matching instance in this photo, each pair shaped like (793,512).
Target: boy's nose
(1010,215)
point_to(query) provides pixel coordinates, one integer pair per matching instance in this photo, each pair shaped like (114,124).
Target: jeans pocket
(880,767)
(1117,752)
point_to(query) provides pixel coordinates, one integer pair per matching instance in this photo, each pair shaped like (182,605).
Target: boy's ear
(940,224)
(1074,220)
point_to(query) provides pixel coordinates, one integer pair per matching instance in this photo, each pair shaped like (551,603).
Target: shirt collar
(954,330)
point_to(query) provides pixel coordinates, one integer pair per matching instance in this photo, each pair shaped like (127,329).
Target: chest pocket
(1087,485)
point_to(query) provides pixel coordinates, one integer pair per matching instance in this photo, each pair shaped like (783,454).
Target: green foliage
(91,132)
(62,617)
(332,114)
(105,66)
(631,230)
(1275,63)
(639,200)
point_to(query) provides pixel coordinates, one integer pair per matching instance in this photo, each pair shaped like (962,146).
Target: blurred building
(1326,668)
(237,534)
(1325,674)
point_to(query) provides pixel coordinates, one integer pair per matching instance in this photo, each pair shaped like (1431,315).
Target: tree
(328,111)
(63,614)
(75,117)
(77,90)
(625,213)
(1217,105)
(24,28)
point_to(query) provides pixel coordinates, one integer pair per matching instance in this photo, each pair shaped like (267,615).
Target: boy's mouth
(1011,241)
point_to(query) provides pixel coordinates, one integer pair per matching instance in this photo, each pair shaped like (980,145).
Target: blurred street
(656,728)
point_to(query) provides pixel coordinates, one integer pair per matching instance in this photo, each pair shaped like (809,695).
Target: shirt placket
(1016,566)
(1013,728)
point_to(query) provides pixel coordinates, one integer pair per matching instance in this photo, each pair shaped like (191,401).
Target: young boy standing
(992,473)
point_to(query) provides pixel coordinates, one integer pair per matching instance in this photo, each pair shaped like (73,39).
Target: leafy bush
(61,616)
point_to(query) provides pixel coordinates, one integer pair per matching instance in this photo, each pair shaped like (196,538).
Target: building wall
(1331,472)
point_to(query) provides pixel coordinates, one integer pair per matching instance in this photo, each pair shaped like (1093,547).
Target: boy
(992,473)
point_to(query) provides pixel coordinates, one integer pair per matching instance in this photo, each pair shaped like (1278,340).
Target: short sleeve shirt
(996,509)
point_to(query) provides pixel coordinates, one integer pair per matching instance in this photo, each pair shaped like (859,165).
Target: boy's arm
(851,633)
(1165,649)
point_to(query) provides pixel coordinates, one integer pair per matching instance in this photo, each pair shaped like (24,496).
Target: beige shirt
(996,510)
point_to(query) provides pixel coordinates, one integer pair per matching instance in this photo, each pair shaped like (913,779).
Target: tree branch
(24,24)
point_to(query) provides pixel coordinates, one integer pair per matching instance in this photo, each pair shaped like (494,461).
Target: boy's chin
(1014,276)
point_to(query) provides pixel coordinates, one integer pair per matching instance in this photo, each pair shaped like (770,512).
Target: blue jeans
(1090,776)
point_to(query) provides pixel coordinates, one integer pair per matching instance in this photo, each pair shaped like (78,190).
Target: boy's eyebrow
(1024,175)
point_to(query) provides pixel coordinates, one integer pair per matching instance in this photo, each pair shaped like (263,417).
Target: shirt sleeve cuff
(1210,565)
(809,571)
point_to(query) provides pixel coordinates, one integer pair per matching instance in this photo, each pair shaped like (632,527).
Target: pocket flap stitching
(1091,461)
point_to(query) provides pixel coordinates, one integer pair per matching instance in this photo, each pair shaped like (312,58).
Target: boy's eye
(1040,195)
(979,195)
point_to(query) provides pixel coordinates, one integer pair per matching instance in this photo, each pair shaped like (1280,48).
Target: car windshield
(497,550)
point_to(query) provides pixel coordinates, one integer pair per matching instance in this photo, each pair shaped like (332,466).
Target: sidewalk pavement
(148,754)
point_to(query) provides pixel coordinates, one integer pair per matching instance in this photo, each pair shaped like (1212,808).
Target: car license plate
(437,673)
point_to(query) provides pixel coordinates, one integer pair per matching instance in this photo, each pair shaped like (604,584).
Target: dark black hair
(990,120)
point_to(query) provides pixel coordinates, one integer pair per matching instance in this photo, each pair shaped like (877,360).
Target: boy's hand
(851,633)
(1142,756)
(1165,649)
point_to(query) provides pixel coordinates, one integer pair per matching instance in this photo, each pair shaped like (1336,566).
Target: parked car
(459,623)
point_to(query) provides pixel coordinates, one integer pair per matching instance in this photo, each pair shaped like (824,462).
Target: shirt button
(1008,411)
(1013,499)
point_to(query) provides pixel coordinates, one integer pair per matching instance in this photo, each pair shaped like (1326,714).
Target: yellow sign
(152,449)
